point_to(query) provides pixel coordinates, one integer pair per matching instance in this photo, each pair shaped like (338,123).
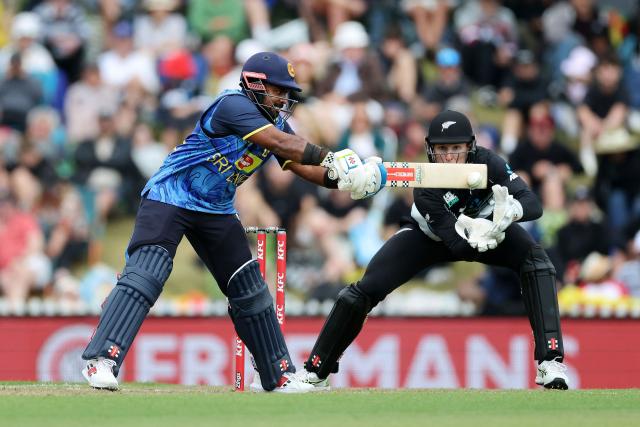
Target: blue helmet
(269,67)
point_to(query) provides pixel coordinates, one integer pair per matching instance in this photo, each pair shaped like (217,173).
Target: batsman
(454,225)
(192,195)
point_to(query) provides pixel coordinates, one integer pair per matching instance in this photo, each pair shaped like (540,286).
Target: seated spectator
(83,103)
(123,64)
(66,34)
(430,18)
(567,24)
(539,156)
(160,30)
(399,66)
(449,84)
(604,109)
(66,224)
(569,91)
(222,70)
(365,138)
(314,12)
(36,59)
(583,234)
(616,186)
(488,35)
(19,93)
(628,268)
(596,282)
(355,71)
(230,18)
(104,166)
(523,89)
(24,267)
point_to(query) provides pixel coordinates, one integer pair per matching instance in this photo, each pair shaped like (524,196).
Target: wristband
(313,154)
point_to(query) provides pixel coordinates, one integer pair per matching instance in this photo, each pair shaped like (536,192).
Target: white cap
(350,34)
(26,24)
(247,48)
(579,62)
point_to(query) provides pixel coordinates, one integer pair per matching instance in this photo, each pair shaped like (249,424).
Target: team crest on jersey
(511,173)
(450,199)
(248,162)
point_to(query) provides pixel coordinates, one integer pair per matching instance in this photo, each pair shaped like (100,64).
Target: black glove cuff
(328,182)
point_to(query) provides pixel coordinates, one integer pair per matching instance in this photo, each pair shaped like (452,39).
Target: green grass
(155,405)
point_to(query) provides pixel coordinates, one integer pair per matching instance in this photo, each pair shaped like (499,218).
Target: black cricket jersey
(436,210)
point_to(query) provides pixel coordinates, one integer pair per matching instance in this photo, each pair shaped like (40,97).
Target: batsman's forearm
(289,146)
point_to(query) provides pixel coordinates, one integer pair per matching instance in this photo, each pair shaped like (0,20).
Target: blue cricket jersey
(202,174)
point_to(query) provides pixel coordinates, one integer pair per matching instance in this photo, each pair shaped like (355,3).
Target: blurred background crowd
(95,93)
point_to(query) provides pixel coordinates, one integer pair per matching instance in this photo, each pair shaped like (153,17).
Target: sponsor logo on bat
(401,174)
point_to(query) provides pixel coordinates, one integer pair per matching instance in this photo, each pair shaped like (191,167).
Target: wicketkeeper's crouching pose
(451,225)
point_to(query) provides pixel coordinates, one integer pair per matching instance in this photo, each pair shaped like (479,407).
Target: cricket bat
(434,175)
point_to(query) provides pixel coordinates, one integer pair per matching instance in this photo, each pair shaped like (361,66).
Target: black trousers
(219,240)
(410,251)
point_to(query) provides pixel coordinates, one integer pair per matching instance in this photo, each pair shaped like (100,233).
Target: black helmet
(268,67)
(450,127)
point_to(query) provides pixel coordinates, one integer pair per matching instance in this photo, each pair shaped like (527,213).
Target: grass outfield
(156,405)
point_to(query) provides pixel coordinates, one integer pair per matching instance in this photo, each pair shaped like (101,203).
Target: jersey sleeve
(500,172)
(284,162)
(236,115)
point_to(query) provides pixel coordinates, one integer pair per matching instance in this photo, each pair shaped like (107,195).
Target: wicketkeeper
(454,225)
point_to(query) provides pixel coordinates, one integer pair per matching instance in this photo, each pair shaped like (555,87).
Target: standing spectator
(160,30)
(23,265)
(18,94)
(488,34)
(604,109)
(65,34)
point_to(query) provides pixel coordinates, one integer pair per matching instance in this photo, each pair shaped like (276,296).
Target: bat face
(435,175)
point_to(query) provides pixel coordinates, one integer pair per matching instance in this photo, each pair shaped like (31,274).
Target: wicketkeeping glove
(505,210)
(478,233)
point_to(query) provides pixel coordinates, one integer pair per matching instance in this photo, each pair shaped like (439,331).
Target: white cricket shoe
(312,378)
(289,383)
(552,374)
(99,373)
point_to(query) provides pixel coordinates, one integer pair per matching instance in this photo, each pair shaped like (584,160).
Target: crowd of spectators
(95,93)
